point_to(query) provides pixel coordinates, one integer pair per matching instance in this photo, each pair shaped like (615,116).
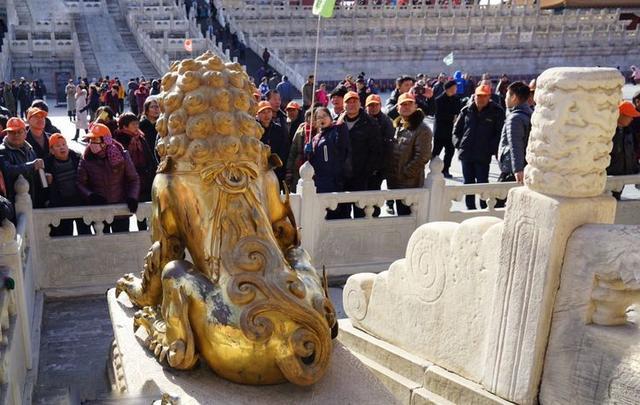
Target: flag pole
(315,67)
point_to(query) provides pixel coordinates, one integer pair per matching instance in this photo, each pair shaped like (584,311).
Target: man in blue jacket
(476,135)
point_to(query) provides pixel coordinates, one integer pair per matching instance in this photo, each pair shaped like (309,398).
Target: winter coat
(70,90)
(276,137)
(94,101)
(150,132)
(365,151)
(410,152)
(19,161)
(82,122)
(146,171)
(24,94)
(447,108)
(9,100)
(477,133)
(296,153)
(623,156)
(514,138)
(307,94)
(112,101)
(141,96)
(63,191)
(387,131)
(41,152)
(285,88)
(116,184)
(330,158)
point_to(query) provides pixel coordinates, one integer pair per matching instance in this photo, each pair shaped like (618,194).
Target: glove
(97,199)
(132,203)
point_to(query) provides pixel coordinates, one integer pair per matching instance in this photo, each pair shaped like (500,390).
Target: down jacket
(116,184)
(477,133)
(514,138)
(410,152)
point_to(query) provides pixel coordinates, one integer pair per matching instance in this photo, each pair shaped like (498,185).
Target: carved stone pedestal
(535,233)
(134,371)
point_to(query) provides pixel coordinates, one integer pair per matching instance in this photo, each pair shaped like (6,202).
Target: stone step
(404,363)
(410,377)
(124,399)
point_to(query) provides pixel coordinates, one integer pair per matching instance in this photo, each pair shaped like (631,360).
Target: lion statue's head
(207,115)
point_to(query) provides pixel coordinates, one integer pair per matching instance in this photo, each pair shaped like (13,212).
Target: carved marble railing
(20,306)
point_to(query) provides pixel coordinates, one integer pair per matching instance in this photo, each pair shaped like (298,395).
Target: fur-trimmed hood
(414,121)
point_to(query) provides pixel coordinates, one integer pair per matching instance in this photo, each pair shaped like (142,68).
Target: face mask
(95,147)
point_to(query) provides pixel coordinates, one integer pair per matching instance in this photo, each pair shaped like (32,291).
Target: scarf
(136,147)
(113,151)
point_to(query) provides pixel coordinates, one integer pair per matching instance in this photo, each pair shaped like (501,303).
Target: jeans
(474,173)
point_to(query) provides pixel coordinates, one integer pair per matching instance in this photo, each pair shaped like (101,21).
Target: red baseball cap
(406,98)
(627,108)
(483,90)
(98,131)
(14,124)
(263,105)
(350,95)
(55,138)
(292,105)
(373,99)
(35,111)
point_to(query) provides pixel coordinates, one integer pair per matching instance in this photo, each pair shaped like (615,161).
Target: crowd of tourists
(117,165)
(353,138)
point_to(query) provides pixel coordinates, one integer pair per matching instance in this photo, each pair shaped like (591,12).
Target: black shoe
(447,175)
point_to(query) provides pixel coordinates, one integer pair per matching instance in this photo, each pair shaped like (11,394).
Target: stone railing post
(307,190)
(568,153)
(24,213)
(435,182)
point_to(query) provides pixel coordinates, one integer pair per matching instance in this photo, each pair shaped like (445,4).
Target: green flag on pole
(448,60)
(324,8)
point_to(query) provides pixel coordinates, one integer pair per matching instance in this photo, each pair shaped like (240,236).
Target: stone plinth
(593,356)
(535,233)
(134,370)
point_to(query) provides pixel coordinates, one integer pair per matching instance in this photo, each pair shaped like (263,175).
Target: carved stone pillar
(568,152)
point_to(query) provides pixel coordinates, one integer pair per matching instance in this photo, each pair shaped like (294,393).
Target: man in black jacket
(274,135)
(365,150)
(448,106)
(476,136)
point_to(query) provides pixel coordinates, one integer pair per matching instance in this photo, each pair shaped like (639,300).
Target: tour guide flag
(448,60)
(323,8)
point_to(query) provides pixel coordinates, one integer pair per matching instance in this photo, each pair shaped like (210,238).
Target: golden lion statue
(251,305)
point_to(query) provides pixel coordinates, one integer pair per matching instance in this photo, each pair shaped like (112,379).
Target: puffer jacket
(329,158)
(514,138)
(115,184)
(19,161)
(477,133)
(411,151)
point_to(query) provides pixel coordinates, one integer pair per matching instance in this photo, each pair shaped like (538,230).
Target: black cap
(449,84)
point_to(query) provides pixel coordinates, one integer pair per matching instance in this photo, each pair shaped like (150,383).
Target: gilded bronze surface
(250,304)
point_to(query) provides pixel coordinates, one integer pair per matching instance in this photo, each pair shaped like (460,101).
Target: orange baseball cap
(292,106)
(406,98)
(483,90)
(14,124)
(98,131)
(263,105)
(55,138)
(33,111)
(627,108)
(350,95)
(373,99)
